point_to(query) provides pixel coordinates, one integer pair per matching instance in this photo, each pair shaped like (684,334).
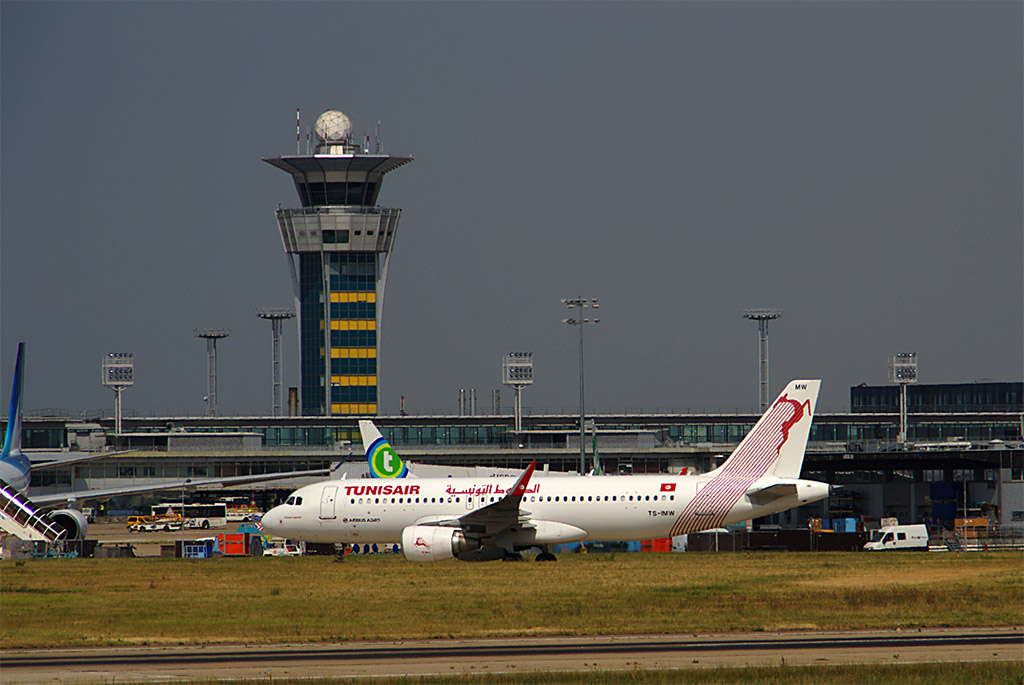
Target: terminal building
(339,246)
(955,464)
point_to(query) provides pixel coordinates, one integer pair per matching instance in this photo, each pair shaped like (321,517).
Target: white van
(913,536)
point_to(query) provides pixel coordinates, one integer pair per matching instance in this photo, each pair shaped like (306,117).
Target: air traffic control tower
(339,246)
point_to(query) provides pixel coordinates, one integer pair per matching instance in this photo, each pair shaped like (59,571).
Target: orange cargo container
(233,544)
(656,545)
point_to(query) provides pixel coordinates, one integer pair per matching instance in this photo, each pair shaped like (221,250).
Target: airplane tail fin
(383,461)
(12,440)
(15,467)
(777,441)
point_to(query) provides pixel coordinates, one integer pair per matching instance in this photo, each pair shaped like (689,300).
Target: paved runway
(515,655)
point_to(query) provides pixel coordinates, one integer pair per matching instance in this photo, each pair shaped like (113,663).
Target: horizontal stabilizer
(772,492)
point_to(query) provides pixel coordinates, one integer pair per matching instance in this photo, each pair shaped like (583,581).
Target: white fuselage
(595,508)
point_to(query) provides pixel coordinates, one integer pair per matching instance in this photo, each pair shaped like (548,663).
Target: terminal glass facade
(940,398)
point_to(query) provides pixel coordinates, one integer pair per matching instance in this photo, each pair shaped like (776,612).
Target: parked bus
(195,515)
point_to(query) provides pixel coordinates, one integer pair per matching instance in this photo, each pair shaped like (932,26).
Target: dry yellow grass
(152,601)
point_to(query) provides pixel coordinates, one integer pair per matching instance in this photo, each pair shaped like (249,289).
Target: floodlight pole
(118,374)
(581,303)
(762,317)
(903,370)
(211,335)
(517,372)
(276,316)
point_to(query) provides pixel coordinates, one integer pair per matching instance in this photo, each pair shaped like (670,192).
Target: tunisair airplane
(477,519)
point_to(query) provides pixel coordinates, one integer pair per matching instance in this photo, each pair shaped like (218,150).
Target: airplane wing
(67,459)
(504,513)
(493,518)
(58,498)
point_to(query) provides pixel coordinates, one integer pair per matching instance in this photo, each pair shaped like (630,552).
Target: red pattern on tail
(751,461)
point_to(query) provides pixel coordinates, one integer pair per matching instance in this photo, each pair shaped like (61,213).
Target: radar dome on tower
(333,127)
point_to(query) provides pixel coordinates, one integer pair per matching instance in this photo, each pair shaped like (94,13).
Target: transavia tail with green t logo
(384,462)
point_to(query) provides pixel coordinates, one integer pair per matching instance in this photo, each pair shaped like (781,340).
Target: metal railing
(24,514)
(337,210)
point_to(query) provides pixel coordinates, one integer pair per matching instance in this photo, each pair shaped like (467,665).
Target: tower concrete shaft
(339,246)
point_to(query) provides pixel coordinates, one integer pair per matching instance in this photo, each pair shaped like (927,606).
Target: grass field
(88,602)
(1002,673)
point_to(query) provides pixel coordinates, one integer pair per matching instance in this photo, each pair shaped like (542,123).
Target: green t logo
(385,463)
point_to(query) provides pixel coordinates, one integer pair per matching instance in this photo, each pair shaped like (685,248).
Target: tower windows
(318,194)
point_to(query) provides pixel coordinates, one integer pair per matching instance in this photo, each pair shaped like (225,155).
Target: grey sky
(857,165)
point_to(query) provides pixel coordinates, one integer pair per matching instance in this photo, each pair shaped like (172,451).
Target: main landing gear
(511,555)
(546,555)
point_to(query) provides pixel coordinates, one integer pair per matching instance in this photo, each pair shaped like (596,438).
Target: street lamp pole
(581,303)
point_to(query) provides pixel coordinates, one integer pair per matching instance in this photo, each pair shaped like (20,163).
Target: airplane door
(327,502)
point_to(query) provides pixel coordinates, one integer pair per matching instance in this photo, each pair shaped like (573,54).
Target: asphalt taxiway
(514,655)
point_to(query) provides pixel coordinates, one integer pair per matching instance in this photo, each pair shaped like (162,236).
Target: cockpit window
(298,501)
(290,500)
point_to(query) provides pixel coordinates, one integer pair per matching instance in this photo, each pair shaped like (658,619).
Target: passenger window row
(533,498)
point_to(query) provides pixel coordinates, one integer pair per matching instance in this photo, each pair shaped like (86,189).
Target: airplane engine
(71,521)
(434,543)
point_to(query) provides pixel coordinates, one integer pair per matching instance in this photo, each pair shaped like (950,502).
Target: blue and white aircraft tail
(15,469)
(18,516)
(383,460)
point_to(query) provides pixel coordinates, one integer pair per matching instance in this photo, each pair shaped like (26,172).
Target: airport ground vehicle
(911,536)
(289,549)
(241,544)
(245,511)
(153,523)
(203,516)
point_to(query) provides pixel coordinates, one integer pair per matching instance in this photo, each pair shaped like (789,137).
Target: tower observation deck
(339,246)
